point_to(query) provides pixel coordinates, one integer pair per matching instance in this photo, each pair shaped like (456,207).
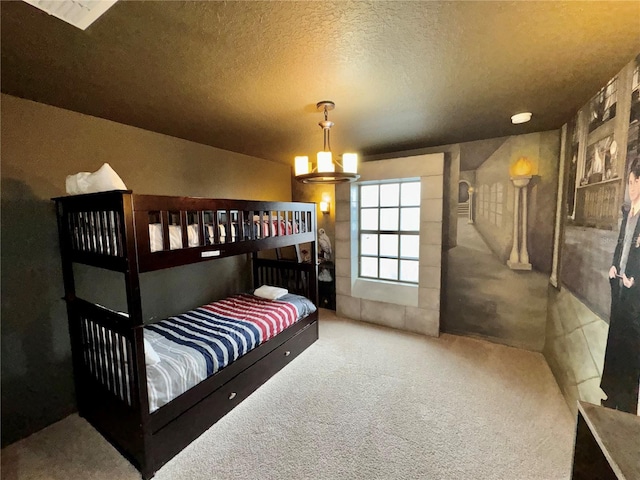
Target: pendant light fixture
(325,169)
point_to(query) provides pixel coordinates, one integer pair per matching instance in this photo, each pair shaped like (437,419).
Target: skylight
(79,13)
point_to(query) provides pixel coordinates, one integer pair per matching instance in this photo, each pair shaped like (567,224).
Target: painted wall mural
(497,271)
(600,254)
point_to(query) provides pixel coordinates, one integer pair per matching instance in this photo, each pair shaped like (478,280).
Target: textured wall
(40,146)
(313,193)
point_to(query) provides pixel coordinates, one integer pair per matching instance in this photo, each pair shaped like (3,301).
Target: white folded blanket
(269,292)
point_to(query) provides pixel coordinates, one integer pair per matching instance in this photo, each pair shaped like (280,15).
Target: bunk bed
(134,234)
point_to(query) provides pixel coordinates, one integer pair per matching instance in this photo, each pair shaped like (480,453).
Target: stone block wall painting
(600,254)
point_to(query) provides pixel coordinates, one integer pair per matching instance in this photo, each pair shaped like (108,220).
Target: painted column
(471,192)
(519,260)
(514,257)
(524,254)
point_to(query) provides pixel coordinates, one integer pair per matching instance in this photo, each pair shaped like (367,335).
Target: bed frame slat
(183,228)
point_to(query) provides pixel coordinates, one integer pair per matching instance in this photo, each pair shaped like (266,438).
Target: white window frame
(379,232)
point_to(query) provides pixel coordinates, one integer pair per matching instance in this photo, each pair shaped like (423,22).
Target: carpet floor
(363,402)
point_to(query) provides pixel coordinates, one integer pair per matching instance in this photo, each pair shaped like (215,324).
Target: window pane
(369,219)
(410,219)
(389,245)
(410,194)
(388,219)
(369,196)
(369,244)
(369,267)
(388,269)
(410,246)
(389,194)
(409,271)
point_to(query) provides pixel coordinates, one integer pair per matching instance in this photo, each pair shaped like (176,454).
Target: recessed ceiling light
(523,117)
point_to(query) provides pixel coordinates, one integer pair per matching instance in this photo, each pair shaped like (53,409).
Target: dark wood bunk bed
(111,230)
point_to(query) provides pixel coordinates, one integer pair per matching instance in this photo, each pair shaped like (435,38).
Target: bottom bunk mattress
(184,350)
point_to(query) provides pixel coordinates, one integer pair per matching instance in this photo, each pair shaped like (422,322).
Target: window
(389,231)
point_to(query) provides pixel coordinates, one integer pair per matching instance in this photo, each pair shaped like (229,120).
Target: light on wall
(325,203)
(324,206)
(521,168)
(325,171)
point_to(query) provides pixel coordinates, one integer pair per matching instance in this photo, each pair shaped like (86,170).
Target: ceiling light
(79,13)
(325,170)
(523,117)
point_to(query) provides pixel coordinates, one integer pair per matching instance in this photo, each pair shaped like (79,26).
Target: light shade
(325,169)
(325,162)
(324,206)
(302,165)
(350,163)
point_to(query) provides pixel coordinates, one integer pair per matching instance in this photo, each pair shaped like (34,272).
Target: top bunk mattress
(197,344)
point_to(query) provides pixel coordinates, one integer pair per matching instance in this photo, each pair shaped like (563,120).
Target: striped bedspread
(199,343)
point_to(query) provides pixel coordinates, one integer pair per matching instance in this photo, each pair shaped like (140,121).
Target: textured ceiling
(245,76)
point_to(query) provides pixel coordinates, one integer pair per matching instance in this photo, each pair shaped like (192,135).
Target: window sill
(388,292)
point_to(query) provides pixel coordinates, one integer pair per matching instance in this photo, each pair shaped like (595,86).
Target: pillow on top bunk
(269,292)
(102,180)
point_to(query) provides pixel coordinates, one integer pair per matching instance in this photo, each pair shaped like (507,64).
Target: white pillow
(269,292)
(102,180)
(150,355)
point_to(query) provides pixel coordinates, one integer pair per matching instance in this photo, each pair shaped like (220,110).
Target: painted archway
(463,191)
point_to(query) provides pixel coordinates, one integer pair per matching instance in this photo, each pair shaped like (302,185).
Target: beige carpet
(364,402)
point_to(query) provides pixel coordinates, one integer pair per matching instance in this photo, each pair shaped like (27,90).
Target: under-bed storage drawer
(191,423)
(248,381)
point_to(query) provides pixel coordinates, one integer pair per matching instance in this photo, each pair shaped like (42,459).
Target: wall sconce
(325,203)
